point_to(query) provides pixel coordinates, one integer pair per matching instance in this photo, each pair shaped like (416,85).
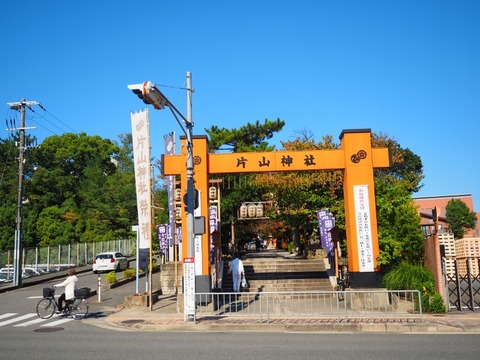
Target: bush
(413,277)
(111,277)
(129,273)
(408,277)
(291,247)
(433,303)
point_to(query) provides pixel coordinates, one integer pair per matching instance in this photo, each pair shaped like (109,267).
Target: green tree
(250,137)
(124,157)
(238,188)
(406,167)
(298,195)
(8,192)
(83,190)
(399,232)
(459,217)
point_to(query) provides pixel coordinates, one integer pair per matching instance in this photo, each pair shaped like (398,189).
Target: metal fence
(54,257)
(339,305)
(463,292)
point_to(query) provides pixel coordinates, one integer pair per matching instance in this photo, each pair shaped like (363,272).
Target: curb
(176,323)
(295,328)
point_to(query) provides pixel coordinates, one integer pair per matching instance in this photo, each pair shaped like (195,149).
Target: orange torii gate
(356,157)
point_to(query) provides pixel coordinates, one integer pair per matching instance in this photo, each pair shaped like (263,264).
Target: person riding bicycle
(70,285)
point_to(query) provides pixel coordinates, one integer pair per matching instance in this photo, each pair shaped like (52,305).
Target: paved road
(18,310)
(86,342)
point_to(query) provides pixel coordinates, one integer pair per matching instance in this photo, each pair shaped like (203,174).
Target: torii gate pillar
(360,208)
(201,241)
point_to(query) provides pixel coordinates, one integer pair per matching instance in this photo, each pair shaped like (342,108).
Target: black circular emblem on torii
(360,155)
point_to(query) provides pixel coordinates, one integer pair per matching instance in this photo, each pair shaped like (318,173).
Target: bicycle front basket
(82,293)
(48,292)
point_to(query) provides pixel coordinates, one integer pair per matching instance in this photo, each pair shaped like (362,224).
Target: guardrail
(337,305)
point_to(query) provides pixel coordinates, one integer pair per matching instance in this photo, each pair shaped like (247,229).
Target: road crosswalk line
(17,319)
(6,315)
(31,322)
(23,320)
(58,322)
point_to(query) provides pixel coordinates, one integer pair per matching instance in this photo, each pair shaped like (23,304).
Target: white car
(109,261)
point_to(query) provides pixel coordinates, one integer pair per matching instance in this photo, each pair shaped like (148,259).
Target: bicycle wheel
(46,308)
(80,310)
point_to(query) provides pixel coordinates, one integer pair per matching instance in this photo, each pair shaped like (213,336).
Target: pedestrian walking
(237,272)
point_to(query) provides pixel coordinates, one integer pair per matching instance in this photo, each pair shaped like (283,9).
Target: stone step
(280,283)
(295,264)
(272,269)
(287,275)
(267,272)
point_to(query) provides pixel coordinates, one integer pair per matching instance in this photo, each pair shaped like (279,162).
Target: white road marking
(12,318)
(7,315)
(31,322)
(58,322)
(17,319)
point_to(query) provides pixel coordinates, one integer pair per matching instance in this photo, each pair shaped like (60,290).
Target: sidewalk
(164,317)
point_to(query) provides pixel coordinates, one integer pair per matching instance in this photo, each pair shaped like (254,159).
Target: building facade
(446,241)
(467,252)
(426,204)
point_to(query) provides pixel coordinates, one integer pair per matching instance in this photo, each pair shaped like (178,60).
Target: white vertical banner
(141,158)
(189,289)
(198,240)
(364,228)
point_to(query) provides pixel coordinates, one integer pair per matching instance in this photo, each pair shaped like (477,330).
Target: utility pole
(190,172)
(17,265)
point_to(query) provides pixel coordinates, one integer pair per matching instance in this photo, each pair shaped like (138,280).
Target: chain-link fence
(62,256)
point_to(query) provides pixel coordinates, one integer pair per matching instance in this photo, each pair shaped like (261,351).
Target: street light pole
(17,267)
(190,165)
(150,94)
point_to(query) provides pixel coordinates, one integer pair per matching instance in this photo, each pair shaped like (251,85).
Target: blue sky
(407,69)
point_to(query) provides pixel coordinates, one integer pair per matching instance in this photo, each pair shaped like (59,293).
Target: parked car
(4,278)
(109,261)
(9,273)
(33,270)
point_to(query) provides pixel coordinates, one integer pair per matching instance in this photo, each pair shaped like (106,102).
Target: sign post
(189,289)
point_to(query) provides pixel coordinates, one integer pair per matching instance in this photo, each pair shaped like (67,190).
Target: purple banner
(178,231)
(326,222)
(213,224)
(169,143)
(162,231)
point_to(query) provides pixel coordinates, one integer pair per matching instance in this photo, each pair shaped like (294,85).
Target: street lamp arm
(178,121)
(150,94)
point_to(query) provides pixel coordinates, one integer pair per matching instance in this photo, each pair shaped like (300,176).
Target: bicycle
(76,308)
(342,284)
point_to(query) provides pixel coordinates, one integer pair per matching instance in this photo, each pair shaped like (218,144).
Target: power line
(56,118)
